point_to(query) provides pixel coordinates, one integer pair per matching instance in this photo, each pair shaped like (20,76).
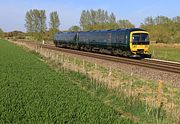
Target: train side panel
(120,41)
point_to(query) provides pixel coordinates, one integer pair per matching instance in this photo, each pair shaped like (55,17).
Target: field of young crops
(32,92)
(40,86)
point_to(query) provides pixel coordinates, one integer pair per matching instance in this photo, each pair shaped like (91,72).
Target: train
(131,42)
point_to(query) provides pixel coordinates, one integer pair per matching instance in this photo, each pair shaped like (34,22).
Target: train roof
(135,29)
(111,30)
(120,29)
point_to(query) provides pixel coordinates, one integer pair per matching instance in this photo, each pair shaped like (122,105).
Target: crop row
(32,92)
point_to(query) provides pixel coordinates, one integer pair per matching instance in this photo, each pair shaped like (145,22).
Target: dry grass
(166,45)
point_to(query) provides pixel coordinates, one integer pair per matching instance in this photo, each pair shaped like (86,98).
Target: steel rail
(159,65)
(170,63)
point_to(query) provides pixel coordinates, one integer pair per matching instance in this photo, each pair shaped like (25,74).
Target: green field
(31,91)
(165,52)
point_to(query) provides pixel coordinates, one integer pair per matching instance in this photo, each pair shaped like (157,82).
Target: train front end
(139,44)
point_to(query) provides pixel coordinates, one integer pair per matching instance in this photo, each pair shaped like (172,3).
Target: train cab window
(140,38)
(136,38)
(145,37)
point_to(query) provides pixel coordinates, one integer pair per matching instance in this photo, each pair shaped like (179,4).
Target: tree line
(161,28)
(36,24)
(89,20)
(101,19)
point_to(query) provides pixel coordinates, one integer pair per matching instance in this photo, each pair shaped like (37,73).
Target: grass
(131,107)
(165,52)
(142,90)
(125,99)
(32,92)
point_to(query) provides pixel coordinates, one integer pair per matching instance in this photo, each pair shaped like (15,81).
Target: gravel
(169,78)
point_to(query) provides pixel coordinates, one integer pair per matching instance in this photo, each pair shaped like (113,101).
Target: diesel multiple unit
(133,42)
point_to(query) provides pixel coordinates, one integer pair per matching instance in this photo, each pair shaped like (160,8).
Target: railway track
(148,63)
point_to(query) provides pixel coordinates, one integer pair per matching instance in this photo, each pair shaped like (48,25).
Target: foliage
(36,23)
(31,92)
(15,35)
(125,24)
(100,19)
(75,28)
(54,22)
(1,33)
(163,29)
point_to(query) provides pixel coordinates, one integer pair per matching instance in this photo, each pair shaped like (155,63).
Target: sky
(12,12)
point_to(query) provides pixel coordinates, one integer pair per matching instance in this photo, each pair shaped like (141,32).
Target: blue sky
(12,12)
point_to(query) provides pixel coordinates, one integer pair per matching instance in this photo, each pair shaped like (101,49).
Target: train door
(109,39)
(118,39)
(76,39)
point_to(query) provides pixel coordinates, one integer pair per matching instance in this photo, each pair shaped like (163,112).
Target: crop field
(31,92)
(36,91)
(165,52)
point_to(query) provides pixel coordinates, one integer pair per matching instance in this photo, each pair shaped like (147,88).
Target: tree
(84,19)
(54,22)
(162,20)
(112,22)
(36,23)
(97,19)
(1,33)
(176,19)
(112,18)
(163,29)
(29,21)
(42,20)
(75,28)
(125,24)
(149,21)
